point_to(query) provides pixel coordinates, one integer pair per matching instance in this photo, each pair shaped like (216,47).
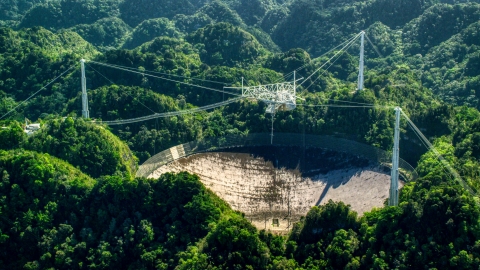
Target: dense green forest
(69,198)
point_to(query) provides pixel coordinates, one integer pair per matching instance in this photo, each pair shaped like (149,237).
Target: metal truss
(278,96)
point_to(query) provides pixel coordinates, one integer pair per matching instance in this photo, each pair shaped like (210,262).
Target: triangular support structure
(360,64)
(278,96)
(393,200)
(85,112)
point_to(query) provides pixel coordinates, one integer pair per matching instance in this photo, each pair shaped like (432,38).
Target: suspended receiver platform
(278,96)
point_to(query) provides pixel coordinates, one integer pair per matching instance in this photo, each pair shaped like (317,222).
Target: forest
(69,198)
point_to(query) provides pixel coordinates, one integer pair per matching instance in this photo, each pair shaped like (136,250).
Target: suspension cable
(331,64)
(352,102)
(306,64)
(374,47)
(345,106)
(341,50)
(124,91)
(162,78)
(170,114)
(443,161)
(426,147)
(166,74)
(34,94)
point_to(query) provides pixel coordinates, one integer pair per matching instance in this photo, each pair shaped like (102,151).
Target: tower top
(360,64)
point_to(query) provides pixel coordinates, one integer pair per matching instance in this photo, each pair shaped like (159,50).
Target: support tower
(393,200)
(360,70)
(85,112)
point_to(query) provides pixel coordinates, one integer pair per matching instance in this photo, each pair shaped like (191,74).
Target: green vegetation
(67,13)
(31,58)
(225,45)
(65,219)
(149,29)
(116,102)
(68,195)
(38,193)
(104,34)
(89,147)
(11,135)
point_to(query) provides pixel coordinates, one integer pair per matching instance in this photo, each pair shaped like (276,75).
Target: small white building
(30,129)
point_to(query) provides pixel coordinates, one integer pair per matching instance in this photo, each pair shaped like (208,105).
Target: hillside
(89,147)
(68,195)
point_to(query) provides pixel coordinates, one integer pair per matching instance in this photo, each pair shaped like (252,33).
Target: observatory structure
(271,184)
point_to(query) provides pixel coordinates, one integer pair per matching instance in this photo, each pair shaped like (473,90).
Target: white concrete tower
(393,200)
(360,69)
(85,112)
